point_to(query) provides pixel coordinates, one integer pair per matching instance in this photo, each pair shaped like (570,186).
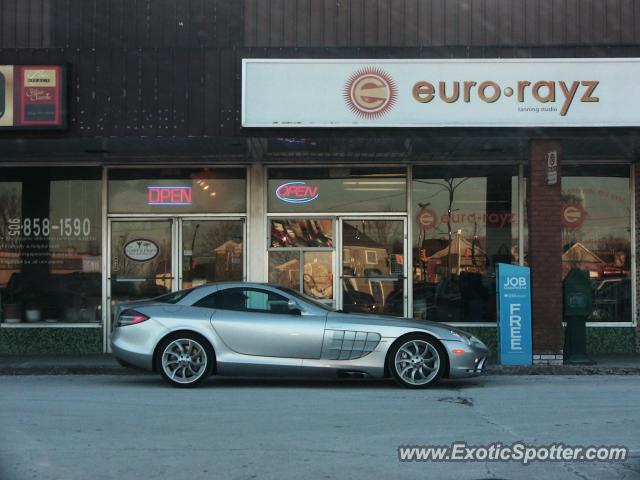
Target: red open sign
(160,195)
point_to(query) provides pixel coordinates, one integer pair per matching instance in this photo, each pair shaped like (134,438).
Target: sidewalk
(605,364)
(105,364)
(91,364)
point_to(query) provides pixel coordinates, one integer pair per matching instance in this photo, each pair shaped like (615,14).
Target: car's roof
(238,283)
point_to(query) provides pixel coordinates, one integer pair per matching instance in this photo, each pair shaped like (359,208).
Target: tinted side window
(173,297)
(245,300)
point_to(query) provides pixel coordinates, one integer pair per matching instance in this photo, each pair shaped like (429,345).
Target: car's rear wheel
(185,360)
(417,361)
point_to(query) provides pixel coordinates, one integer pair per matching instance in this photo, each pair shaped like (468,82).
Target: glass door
(212,251)
(149,257)
(141,259)
(374,265)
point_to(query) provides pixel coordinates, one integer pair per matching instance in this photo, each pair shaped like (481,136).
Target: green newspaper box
(577,307)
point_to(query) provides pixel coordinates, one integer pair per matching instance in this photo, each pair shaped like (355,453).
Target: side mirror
(294,308)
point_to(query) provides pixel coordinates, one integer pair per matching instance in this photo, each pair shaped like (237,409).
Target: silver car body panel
(270,335)
(313,341)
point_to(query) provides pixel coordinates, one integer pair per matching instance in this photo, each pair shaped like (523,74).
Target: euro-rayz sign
(514,314)
(566,92)
(32,97)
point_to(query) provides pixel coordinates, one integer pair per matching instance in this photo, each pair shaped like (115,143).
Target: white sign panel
(441,93)
(141,250)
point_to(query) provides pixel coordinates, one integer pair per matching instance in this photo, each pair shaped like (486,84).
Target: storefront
(372,179)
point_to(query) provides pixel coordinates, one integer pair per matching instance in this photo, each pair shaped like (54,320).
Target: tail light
(130,317)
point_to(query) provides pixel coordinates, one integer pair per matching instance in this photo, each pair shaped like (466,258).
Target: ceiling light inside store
(373,182)
(374,189)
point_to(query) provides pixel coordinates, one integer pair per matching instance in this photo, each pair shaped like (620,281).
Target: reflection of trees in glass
(205,237)
(449,185)
(388,233)
(215,250)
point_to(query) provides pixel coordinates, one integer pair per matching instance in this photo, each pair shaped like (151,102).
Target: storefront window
(177,190)
(373,266)
(301,255)
(466,223)
(50,245)
(596,235)
(337,190)
(296,233)
(212,251)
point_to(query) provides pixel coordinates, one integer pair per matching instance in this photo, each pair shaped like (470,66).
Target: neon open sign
(161,195)
(297,192)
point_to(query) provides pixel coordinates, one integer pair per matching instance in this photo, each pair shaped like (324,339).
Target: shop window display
(301,255)
(50,245)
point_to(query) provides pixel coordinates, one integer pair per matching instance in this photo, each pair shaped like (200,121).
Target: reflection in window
(337,190)
(467,223)
(296,233)
(246,300)
(596,235)
(50,245)
(373,250)
(318,275)
(212,251)
(284,269)
(301,255)
(177,190)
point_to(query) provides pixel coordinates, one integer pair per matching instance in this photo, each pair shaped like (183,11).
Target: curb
(13,371)
(561,370)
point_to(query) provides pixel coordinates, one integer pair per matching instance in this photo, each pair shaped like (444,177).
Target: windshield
(173,297)
(307,299)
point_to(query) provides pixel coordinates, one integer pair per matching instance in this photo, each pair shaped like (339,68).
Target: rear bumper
(467,361)
(134,344)
(130,359)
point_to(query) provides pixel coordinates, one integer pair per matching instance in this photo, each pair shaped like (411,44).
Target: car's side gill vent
(348,344)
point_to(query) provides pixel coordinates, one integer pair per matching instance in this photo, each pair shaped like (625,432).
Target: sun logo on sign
(370,92)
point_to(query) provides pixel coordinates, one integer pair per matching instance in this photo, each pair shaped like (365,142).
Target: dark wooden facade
(171,68)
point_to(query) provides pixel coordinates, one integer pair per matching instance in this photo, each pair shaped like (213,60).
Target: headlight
(465,337)
(468,338)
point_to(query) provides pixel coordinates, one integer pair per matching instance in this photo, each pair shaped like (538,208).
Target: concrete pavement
(125,427)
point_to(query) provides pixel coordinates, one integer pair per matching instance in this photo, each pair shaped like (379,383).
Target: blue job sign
(514,314)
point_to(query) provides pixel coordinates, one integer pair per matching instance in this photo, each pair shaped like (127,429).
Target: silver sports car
(252,328)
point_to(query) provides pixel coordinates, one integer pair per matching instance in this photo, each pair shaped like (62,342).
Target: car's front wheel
(417,361)
(185,360)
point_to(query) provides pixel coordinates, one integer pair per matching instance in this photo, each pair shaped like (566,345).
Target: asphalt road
(135,427)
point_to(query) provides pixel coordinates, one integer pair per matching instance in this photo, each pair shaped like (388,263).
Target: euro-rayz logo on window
(297,192)
(370,92)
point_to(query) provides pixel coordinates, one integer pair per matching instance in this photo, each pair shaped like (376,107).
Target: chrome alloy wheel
(184,360)
(417,362)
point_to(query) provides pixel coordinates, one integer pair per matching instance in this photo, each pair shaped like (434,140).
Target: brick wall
(545,253)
